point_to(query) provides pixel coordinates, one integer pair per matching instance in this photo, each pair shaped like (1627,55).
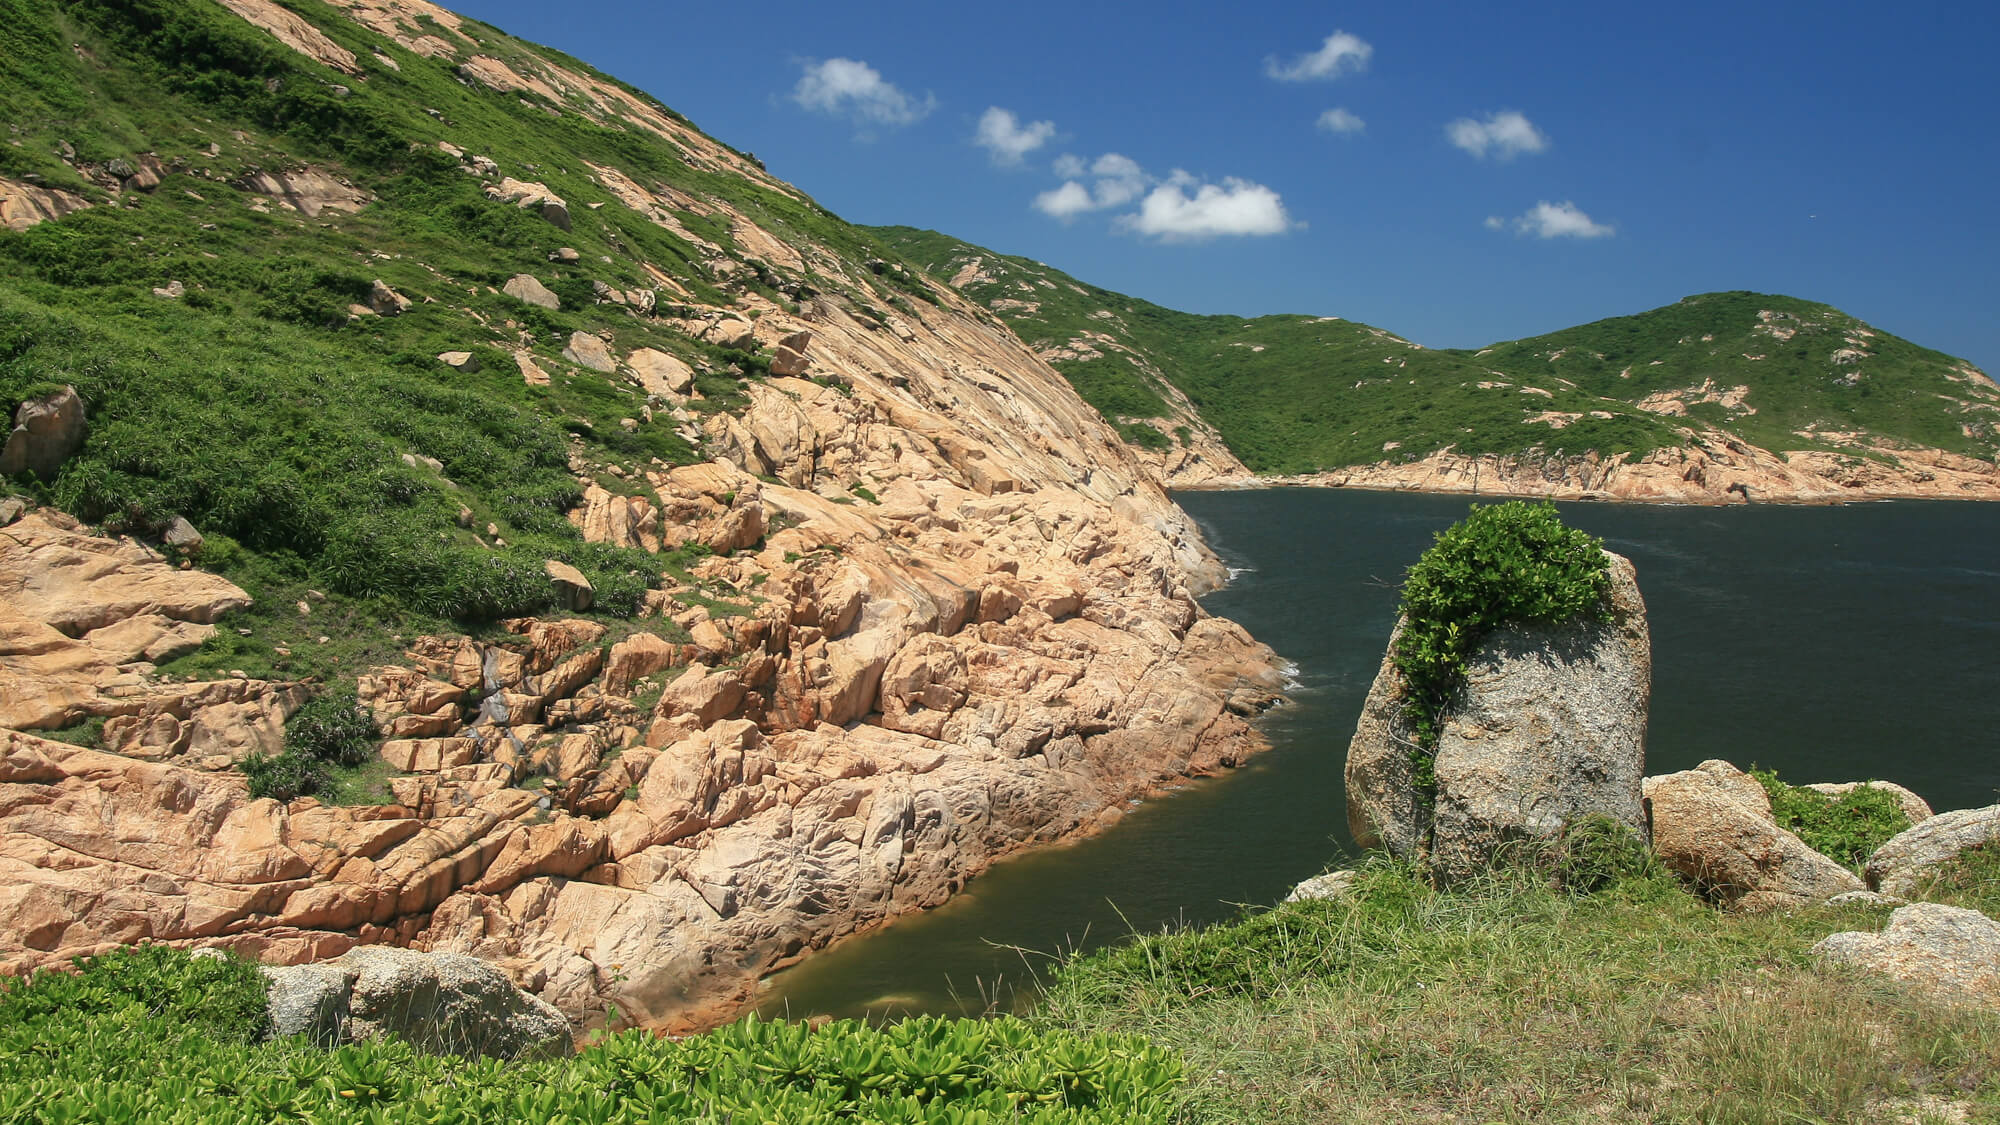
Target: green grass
(1507,1000)
(1846,829)
(1297,394)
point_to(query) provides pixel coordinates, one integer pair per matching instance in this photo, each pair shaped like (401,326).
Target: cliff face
(944,614)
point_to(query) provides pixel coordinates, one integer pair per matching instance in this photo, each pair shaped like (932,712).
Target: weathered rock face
(1906,859)
(1946,952)
(46,431)
(437,1001)
(1551,727)
(1712,825)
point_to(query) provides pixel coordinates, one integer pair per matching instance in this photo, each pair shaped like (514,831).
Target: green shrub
(286,775)
(218,997)
(1596,852)
(1504,564)
(332,728)
(1144,436)
(1846,829)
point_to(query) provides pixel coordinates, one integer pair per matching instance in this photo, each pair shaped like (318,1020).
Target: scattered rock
(1551,728)
(1946,952)
(441,1002)
(573,590)
(386,301)
(182,535)
(1712,825)
(659,373)
(565,254)
(459,361)
(47,430)
(171,291)
(586,350)
(1905,860)
(11,509)
(522,287)
(1333,884)
(1864,898)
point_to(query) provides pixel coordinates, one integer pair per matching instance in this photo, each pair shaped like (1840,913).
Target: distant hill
(1299,394)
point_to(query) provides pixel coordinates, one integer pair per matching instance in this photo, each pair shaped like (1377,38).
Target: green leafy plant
(1846,829)
(1504,564)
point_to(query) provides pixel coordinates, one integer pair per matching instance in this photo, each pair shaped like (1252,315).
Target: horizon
(1394,165)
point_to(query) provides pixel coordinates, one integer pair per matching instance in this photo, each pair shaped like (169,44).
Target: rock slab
(1903,861)
(1550,728)
(1947,952)
(444,1002)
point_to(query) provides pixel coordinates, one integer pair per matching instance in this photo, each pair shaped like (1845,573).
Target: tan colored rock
(294,32)
(1712,826)
(25,205)
(47,430)
(524,288)
(586,350)
(385,301)
(636,657)
(1903,862)
(459,361)
(309,191)
(573,591)
(659,373)
(1948,953)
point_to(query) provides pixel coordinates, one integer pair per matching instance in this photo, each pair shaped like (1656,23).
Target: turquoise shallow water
(1828,643)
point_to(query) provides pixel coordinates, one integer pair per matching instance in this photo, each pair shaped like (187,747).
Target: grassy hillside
(249,396)
(1293,394)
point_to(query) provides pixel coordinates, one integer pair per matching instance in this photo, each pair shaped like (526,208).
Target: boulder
(442,1002)
(181,534)
(586,350)
(1551,727)
(521,287)
(573,590)
(659,373)
(788,362)
(1712,826)
(459,361)
(1946,952)
(385,301)
(1906,859)
(47,430)
(564,254)
(1333,884)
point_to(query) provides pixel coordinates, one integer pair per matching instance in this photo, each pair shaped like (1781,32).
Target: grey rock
(180,533)
(586,350)
(573,590)
(384,300)
(1712,826)
(442,1002)
(1333,884)
(1550,728)
(1946,952)
(1906,859)
(521,287)
(47,430)
(1864,898)
(564,254)
(554,210)
(310,1000)
(11,509)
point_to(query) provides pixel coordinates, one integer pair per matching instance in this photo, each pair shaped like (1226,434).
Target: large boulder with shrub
(442,1002)
(1546,724)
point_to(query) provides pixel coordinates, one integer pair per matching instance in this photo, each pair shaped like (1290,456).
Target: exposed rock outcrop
(1900,866)
(439,1002)
(1945,952)
(1550,727)
(1712,825)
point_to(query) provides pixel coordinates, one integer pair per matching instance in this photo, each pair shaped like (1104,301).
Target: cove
(1831,644)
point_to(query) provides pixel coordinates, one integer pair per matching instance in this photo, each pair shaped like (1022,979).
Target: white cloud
(853,89)
(1003,136)
(1340,120)
(1505,134)
(1119,179)
(1554,220)
(1069,166)
(1066,202)
(1340,54)
(1233,207)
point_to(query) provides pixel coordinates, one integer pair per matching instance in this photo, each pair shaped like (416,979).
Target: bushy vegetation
(1504,564)
(1298,394)
(1515,998)
(331,735)
(153,1035)
(1846,829)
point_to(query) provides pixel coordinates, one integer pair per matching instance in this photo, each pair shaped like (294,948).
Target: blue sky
(1457,173)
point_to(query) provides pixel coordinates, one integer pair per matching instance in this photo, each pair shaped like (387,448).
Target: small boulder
(1712,826)
(441,1002)
(459,361)
(1333,884)
(564,254)
(1946,952)
(1905,860)
(554,210)
(181,535)
(521,287)
(384,300)
(659,373)
(573,591)
(788,362)
(47,430)
(171,291)
(586,350)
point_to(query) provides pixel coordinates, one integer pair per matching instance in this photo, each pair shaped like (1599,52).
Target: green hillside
(210,323)
(1294,394)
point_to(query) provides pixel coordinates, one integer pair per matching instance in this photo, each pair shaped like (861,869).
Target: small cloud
(1066,202)
(853,89)
(1185,209)
(1341,53)
(1339,121)
(1003,136)
(1505,134)
(1069,166)
(1119,179)
(1554,220)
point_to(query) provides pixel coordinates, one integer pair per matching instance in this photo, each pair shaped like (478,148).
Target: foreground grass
(1511,1001)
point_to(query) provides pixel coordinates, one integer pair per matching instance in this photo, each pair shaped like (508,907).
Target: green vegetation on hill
(1295,394)
(150,1034)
